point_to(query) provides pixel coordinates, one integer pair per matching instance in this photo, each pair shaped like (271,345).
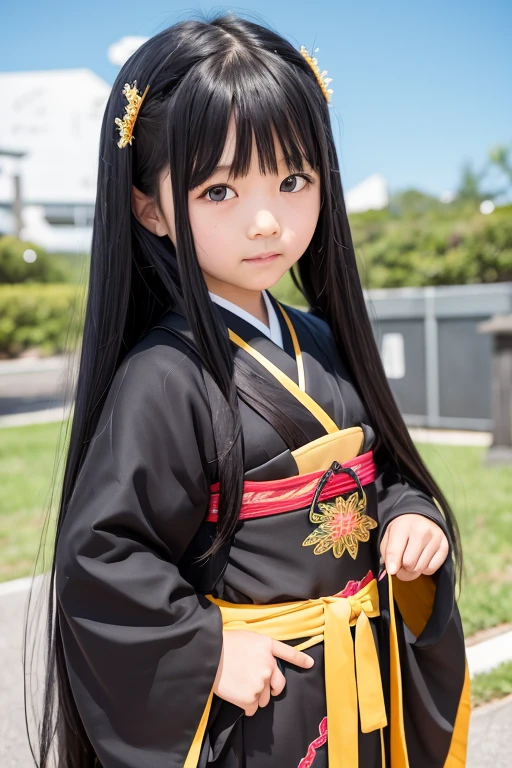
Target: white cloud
(121,51)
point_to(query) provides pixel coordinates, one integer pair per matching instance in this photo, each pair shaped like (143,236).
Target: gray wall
(438,365)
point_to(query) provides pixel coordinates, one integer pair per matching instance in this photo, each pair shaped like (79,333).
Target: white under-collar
(273,332)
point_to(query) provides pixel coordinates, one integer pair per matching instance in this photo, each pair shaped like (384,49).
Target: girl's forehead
(228,154)
(227,158)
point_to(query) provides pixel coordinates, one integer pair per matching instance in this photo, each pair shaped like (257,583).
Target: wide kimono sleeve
(142,648)
(435,689)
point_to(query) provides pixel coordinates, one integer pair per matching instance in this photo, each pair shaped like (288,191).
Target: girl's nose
(264,224)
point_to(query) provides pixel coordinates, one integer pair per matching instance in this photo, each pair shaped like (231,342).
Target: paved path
(490,735)
(29,385)
(14,750)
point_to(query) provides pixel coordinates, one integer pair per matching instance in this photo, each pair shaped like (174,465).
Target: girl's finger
(426,556)
(288,653)
(264,696)
(277,682)
(437,560)
(251,709)
(384,543)
(413,553)
(397,542)
(404,575)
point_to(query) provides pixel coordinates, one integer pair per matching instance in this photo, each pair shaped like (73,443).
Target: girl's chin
(250,277)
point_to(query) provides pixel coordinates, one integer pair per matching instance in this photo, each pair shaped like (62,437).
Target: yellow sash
(352,672)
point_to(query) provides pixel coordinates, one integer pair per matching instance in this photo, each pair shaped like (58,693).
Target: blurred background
(422,116)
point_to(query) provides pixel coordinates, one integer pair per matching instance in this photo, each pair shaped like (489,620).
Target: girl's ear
(146,212)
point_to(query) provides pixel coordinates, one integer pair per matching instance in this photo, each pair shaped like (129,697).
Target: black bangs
(266,98)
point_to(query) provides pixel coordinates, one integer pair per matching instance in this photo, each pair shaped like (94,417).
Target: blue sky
(419,88)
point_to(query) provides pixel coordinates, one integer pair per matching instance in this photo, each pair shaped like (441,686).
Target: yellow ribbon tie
(352,672)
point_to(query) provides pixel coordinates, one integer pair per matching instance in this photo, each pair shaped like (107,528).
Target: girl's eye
(290,183)
(218,193)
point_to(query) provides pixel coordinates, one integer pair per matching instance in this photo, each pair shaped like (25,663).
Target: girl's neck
(252,301)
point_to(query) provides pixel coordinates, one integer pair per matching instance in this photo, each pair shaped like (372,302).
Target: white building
(54,117)
(370,193)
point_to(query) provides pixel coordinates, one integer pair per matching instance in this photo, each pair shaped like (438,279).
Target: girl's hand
(248,673)
(412,545)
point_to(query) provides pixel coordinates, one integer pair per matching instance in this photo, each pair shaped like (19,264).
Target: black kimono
(142,636)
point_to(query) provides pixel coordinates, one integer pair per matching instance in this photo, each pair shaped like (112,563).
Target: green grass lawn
(27,456)
(492,685)
(481,497)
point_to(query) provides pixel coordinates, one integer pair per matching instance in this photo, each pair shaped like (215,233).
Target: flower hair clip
(125,125)
(323,80)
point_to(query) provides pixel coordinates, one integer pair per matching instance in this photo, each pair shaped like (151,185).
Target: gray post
(17,205)
(501,328)
(431,357)
(12,166)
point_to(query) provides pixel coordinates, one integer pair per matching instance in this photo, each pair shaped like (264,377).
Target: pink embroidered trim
(307,761)
(271,497)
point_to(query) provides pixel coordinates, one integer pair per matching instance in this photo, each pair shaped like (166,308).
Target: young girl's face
(235,220)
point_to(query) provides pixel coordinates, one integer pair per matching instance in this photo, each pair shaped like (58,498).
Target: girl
(237,468)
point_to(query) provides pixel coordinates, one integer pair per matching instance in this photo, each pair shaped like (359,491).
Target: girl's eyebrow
(221,168)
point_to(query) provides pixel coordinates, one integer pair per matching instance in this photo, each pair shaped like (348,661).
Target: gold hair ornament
(323,80)
(125,125)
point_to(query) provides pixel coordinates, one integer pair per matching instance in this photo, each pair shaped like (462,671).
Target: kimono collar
(273,332)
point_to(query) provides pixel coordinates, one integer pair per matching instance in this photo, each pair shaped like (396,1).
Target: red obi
(270,497)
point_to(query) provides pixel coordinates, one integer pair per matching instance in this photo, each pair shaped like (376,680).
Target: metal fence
(438,365)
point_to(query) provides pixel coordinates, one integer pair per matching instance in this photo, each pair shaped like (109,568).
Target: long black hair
(201,73)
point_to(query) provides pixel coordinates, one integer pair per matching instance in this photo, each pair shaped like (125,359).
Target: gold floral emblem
(342,526)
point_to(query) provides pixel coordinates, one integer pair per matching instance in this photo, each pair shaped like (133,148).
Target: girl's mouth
(263,258)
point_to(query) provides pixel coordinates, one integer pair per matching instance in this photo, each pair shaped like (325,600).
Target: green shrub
(42,316)
(14,269)
(432,249)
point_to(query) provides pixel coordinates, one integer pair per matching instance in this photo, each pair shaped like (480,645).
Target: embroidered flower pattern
(342,526)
